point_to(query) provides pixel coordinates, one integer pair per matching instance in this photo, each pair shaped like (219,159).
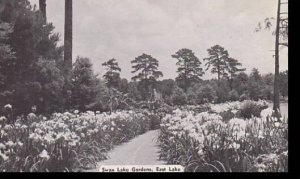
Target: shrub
(178,96)
(268,93)
(227,115)
(233,95)
(251,109)
(244,96)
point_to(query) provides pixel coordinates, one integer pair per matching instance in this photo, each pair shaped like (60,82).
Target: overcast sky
(124,29)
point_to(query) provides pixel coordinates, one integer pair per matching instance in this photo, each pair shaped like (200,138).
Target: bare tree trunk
(68,35)
(219,75)
(185,77)
(42,6)
(68,51)
(276,101)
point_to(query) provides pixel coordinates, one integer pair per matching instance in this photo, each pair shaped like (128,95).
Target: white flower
(3,156)
(104,127)
(32,136)
(24,127)
(261,167)
(8,127)
(240,123)
(2,118)
(31,115)
(285,153)
(44,155)
(277,124)
(266,113)
(236,145)
(234,111)
(113,123)
(49,139)
(76,112)
(2,146)
(33,108)
(17,125)
(74,143)
(82,135)
(261,134)
(8,106)
(10,144)
(200,152)
(20,144)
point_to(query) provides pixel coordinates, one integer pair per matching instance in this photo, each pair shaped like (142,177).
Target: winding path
(141,150)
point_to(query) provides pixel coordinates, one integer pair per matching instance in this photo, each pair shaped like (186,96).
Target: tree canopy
(112,75)
(189,67)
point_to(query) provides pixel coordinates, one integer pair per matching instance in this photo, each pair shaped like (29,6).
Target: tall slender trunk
(68,35)
(42,6)
(276,101)
(219,75)
(68,52)
(230,82)
(186,82)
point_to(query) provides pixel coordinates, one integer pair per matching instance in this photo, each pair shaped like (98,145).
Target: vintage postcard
(144,86)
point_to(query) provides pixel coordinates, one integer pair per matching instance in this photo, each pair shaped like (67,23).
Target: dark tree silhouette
(68,35)
(189,68)
(233,69)
(112,75)
(42,6)
(217,61)
(146,70)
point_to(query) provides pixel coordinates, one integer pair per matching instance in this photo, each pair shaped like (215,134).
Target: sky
(124,29)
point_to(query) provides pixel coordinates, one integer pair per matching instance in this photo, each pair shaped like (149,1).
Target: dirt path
(141,150)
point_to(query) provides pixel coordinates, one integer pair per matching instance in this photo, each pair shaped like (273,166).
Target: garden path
(142,150)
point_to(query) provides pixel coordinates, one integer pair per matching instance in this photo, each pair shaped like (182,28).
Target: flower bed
(65,142)
(205,142)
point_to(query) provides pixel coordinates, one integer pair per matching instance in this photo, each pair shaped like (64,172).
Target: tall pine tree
(217,61)
(233,69)
(189,68)
(112,75)
(146,70)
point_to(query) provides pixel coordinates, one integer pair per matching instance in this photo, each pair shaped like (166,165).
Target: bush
(251,109)
(244,96)
(227,115)
(233,95)
(268,93)
(178,96)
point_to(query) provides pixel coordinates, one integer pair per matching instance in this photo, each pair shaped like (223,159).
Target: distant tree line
(32,73)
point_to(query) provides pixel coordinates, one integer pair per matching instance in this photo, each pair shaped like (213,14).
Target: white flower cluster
(234,106)
(72,129)
(209,128)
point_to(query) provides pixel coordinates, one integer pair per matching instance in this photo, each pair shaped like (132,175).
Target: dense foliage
(189,68)
(213,141)
(66,141)
(32,73)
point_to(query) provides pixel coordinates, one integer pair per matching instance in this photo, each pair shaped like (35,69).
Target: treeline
(32,75)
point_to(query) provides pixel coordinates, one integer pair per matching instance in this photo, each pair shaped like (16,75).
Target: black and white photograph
(138,86)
